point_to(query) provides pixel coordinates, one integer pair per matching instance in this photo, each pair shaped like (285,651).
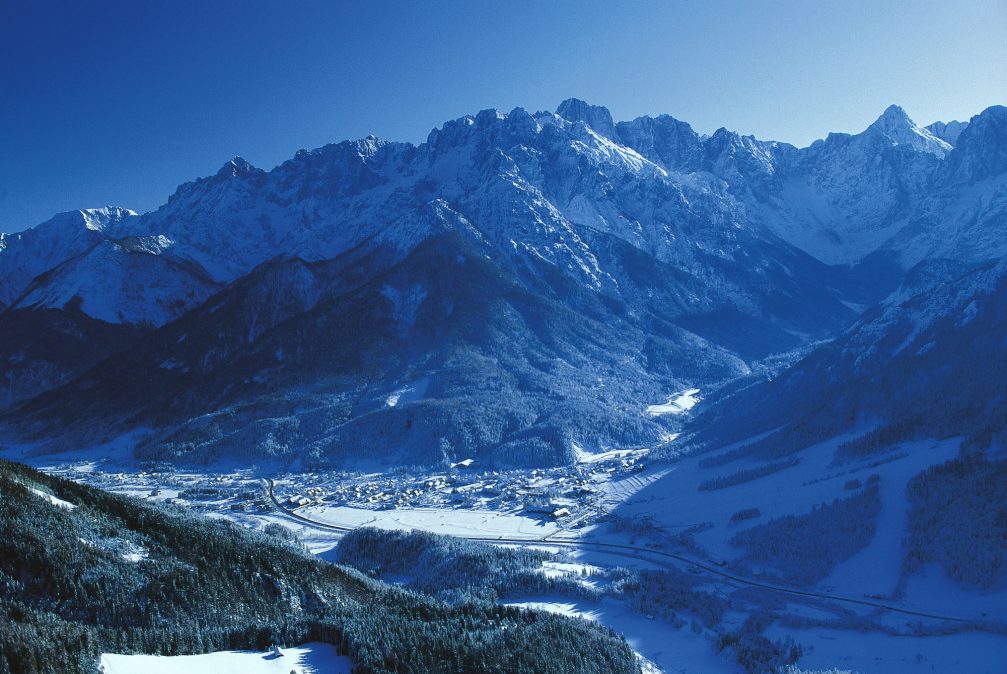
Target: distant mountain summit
(894,125)
(134,280)
(963,214)
(25,255)
(558,271)
(947,131)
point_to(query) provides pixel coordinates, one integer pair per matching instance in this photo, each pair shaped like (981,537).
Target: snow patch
(393,399)
(313,658)
(58,502)
(584,456)
(680,403)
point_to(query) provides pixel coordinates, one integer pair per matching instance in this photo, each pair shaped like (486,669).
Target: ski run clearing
(680,403)
(313,658)
(58,502)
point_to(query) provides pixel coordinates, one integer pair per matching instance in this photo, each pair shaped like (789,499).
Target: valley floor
(623,512)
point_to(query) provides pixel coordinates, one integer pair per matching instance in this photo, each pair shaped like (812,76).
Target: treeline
(804,548)
(725,481)
(669,594)
(958,519)
(66,596)
(877,440)
(453,569)
(755,653)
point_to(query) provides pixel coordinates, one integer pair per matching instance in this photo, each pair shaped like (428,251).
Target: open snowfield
(584,456)
(875,570)
(679,403)
(313,658)
(675,502)
(879,653)
(468,523)
(932,585)
(674,651)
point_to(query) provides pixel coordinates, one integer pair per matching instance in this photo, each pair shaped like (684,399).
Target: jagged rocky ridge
(597,265)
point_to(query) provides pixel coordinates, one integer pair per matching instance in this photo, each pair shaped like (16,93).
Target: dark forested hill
(84,572)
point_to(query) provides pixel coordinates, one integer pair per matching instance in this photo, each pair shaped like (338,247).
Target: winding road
(660,557)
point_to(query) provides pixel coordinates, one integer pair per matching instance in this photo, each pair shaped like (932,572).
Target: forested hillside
(84,572)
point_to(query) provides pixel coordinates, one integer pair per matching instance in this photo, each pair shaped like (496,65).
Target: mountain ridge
(709,253)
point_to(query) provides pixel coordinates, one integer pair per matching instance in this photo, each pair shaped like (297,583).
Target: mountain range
(517,286)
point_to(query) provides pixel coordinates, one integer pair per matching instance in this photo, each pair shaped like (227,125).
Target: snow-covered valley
(624,511)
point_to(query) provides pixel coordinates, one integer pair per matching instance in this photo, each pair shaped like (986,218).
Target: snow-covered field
(680,403)
(674,503)
(466,523)
(671,650)
(879,653)
(313,658)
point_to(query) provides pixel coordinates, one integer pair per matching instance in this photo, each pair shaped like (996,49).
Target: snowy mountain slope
(859,189)
(90,306)
(838,199)
(705,253)
(135,281)
(25,255)
(492,370)
(930,366)
(964,215)
(539,184)
(874,467)
(535,186)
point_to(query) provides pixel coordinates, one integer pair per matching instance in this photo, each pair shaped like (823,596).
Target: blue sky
(119,102)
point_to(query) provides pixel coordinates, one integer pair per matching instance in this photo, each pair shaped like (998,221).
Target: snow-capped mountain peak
(595,116)
(896,126)
(92,219)
(237,167)
(26,254)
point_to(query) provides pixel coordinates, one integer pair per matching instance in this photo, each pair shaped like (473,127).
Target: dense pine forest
(84,572)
